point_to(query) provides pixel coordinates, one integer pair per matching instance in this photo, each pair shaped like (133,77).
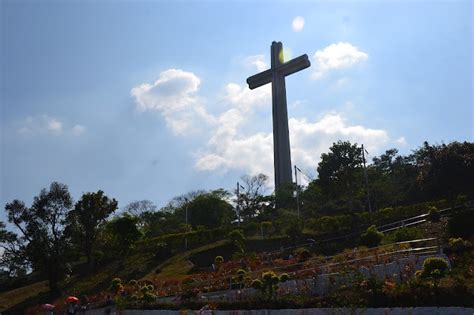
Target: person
(109,305)
(71,308)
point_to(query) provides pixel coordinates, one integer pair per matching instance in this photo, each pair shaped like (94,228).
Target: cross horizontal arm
(294,65)
(259,79)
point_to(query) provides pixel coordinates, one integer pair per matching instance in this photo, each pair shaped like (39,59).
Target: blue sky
(147,100)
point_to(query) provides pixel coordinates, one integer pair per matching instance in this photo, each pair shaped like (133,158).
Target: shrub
(433,214)
(219,260)
(303,254)
(133,282)
(257,284)
(458,243)
(116,284)
(284,277)
(149,297)
(405,234)
(434,268)
(372,237)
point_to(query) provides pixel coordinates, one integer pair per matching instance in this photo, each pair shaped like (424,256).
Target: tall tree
(139,207)
(252,198)
(123,231)
(85,220)
(340,175)
(210,209)
(44,244)
(446,170)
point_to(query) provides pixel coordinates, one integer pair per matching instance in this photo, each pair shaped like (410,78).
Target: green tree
(86,219)
(372,237)
(340,173)
(44,244)
(124,232)
(252,198)
(446,170)
(210,210)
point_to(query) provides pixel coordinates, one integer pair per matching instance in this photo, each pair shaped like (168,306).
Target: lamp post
(366,179)
(297,191)
(185,237)
(237,208)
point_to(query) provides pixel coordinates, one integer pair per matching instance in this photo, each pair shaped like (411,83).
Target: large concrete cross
(281,139)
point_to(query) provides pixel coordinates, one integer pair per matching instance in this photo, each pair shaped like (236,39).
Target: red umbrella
(47,307)
(70,299)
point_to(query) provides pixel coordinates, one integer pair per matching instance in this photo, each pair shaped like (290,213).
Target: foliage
(252,199)
(433,214)
(123,232)
(43,244)
(284,277)
(116,285)
(434,268)
(457,243)
(372,237)
(294,230)
(87,217)
(210,210)
(338,170)
(266,228)
(238,239)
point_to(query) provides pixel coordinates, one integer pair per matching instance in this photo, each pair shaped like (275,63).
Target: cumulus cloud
(40,124)
(173,95)
(258,62)
(335,57)
(401,141)
(229,145)
(45,124)
(297,24)
(254,153)
(78,130)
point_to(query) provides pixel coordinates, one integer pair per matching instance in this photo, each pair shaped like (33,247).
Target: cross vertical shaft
(281,134)
(281,137)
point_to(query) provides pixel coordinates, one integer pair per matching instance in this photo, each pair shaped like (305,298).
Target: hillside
(191,270)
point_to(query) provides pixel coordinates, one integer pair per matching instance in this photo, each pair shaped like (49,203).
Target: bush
(405,234)
(434,268)
(372,237)
(458,243)
(257,284)
(461,223)
(303,254)
(284,277)
(116,284)
(149,297)
(218,261)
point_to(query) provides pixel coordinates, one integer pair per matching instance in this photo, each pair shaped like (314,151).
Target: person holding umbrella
(71,302)
(49,308)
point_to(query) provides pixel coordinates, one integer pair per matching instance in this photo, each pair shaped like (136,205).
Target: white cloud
(40,124)
(78,130)
(297,24)
(228,145)
(401,141)
(335,57)
(173,95)
(48,125)
(254,153)
(258,62)
(55,126)
(245,99)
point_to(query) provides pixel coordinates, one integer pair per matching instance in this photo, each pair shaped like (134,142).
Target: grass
(19,295)
(178,266)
